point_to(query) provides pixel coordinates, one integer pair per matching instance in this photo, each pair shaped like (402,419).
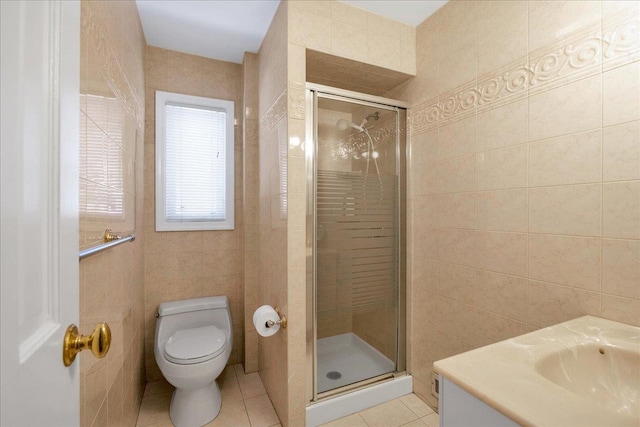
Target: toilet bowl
(192,346)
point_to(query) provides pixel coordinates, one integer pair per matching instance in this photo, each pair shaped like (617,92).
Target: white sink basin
(604,374)
(585,372)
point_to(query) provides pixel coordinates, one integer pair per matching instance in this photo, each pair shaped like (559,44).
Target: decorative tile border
(296,100)
(275,113)
(579,55)
(110,68)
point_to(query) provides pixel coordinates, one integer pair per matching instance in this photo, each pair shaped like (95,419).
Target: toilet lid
(195,345)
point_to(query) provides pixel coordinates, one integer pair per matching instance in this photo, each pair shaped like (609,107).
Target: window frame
(162,99)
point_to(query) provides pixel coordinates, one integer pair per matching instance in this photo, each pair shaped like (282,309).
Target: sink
(583,372)
(604,374)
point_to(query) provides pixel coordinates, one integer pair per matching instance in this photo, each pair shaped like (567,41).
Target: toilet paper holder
(282,322)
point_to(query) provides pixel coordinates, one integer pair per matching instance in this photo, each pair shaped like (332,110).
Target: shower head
(344,124)
(374,116)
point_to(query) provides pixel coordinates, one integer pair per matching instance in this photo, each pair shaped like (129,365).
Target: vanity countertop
(584,372)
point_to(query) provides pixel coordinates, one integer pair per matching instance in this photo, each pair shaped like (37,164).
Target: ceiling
(225,29)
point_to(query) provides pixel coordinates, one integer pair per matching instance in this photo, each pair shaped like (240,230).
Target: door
(358,241)
(39,210)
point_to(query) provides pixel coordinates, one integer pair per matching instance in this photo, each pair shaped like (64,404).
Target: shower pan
(356,242)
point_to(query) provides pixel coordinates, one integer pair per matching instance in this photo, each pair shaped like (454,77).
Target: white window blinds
(196,153)
(194,163)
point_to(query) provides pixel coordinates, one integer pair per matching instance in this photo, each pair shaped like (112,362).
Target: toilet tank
(193,313)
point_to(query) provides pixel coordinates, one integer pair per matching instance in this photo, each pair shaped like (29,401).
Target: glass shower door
(357,241)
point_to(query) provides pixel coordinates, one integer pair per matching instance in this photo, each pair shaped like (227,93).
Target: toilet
(192,346)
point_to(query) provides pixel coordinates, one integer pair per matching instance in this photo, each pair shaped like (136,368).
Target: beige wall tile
(425,242)
(425,84)
(320,7)
(621,94)
(457,139)
(425,210)
(552,203)
(348,14)
(457,246)
(502,34)
(111,125)
(621,210)
(424,148)
(424,180)
(621,152)
(502,252)
(456,282)
(623,310)
(621,268)
(570,159)
(493,328)
(424,296)
(384,51)
(457,174)
(503,210)
(309,29)
(457,50)
(425,275)
(567,109)
(502,294)
(185,73)
(503,126)
(553,20)
(503,168)
(550,304)
(572,210)
(349,41)
(455,319)
(457,210)
(571,261)
(613,7)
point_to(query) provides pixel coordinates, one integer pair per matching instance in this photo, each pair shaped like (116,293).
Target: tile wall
(251,203)
(273,206)
(525,171)
(111,195)
(298,26)
(349,32)
(191,264)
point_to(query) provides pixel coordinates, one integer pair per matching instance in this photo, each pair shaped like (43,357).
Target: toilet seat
(196,345)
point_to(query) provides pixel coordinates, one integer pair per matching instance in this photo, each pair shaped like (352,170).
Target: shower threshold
(346,359)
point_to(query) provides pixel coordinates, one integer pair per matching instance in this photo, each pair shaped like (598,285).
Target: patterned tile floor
(245,404)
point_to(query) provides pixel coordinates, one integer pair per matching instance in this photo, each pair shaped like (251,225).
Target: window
(194,163)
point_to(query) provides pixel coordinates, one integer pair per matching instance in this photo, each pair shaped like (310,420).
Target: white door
(39,212)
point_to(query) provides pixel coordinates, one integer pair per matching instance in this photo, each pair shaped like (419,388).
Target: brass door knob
(98,342)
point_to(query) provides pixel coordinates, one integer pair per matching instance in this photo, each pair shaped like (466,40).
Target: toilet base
(195,408)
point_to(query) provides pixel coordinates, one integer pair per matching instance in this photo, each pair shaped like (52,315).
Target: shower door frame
(312,93)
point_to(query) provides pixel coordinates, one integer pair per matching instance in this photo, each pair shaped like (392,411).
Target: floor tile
(229,387)
(158,387)
(160,424)
(415,423)
(154,409)
(238,369)
(251,385)
(416,404)
(232,413)
(432,420)
(354,420)
(261,412)
(389,414)
(236,410)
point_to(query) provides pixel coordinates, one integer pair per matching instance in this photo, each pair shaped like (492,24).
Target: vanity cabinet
(458,408)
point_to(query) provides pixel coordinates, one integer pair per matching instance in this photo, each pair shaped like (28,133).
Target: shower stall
(355,239)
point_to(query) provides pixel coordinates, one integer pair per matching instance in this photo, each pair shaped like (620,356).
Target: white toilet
(193,344)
